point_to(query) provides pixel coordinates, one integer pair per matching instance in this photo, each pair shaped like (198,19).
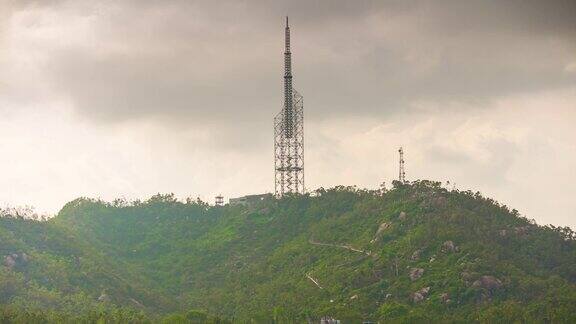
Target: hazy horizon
(128,99)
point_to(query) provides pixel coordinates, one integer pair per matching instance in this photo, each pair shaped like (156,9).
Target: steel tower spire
(289,133)
(288,82)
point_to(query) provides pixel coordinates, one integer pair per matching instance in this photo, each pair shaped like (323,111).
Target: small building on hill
(219,200)
(249,199)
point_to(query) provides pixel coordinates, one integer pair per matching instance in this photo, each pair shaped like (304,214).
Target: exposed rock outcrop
(449,247)
(439,201)
(104,298)
(420,295)
(433,202)
(488,283)
(14,259)
(416,273)
(445,298)
(416,255)
(136,303)
(402,215)
(521,230)
(9,261)
(466,277)
(518,231)
(380,231)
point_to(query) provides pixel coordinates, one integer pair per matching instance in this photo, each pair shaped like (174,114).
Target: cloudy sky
(130,98)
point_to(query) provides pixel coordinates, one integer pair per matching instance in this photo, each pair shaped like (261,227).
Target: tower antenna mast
(401,171)
(289,133)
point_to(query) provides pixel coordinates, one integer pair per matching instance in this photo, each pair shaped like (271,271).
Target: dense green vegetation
(415,253)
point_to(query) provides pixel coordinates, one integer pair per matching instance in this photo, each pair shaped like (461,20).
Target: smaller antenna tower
(219,200)
(402,172)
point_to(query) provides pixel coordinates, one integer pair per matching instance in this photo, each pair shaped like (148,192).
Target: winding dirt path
(314,281)
(347,247)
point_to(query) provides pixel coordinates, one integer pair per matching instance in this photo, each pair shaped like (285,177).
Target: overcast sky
(129,98)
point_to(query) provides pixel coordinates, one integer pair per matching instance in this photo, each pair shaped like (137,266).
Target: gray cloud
(216,66)
(201,61)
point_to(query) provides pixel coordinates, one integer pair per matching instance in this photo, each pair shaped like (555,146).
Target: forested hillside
(416,252)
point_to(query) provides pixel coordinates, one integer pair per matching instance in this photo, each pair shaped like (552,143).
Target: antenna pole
(401,171)
(289,133)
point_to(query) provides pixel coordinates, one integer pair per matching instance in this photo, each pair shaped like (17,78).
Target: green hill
(417,252)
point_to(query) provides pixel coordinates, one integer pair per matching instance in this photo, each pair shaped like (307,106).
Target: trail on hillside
(314,281)
(345,246)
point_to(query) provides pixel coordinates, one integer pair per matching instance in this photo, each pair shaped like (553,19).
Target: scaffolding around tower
(289,151)
(289,133)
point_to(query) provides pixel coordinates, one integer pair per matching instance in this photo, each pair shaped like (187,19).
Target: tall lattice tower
(289,134)
(401,172)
